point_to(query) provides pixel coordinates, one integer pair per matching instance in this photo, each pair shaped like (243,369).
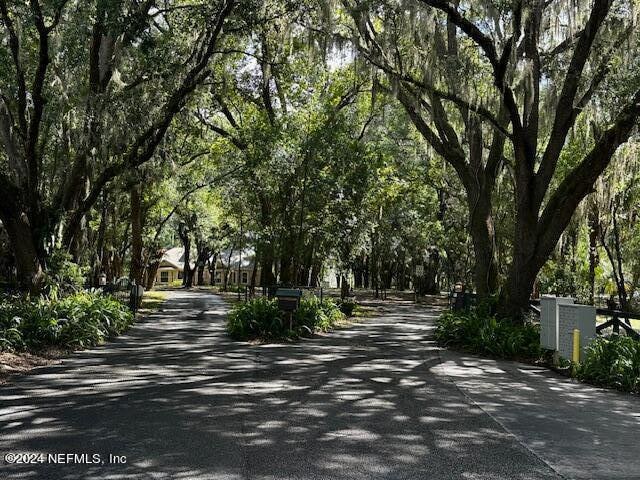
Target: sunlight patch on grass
(152,300)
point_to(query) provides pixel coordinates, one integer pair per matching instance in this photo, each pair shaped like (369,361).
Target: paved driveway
(180,400)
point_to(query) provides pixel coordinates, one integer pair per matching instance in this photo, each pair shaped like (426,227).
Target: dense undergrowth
(261,318)
(477,332)
(78,320)
(612,361)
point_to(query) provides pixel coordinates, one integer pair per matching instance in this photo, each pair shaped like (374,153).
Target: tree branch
(498,63)
(579,181)
(145,144)
(565,110)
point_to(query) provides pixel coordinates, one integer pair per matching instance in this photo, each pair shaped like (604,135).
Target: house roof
(248,257)
(245,259)
(175,257)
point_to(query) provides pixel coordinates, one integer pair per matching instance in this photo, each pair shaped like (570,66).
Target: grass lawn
(152,300)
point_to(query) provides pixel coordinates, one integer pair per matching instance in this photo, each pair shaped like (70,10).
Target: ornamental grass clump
(257,318)
(314,315)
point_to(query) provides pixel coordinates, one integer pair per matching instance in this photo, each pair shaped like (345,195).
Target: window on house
(179,275)
(233,277)
(218,277)
(164,277)
(245,277)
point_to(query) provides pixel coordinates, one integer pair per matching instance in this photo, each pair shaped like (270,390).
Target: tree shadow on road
(181,400)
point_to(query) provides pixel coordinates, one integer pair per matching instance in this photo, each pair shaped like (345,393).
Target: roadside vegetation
(65,316)
(610,361)
(614,362)
(261,319)
(79,320)
(477,332)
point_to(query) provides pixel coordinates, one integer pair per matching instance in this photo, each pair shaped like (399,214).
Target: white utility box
(549,332)
(570,317)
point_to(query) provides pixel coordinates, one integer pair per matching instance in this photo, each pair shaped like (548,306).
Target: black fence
(617,319)
(270,291)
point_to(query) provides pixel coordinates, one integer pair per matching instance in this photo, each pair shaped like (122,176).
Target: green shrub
(261,318)
(314,315)
(347,306)
(63,275)
(257,318)
(80,320)
(10,334)
(612,361)
(475,332)
(90,318)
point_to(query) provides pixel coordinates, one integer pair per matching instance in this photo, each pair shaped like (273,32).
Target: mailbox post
(135,297)
(289,301)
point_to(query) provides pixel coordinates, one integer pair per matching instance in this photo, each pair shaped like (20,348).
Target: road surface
(175,398)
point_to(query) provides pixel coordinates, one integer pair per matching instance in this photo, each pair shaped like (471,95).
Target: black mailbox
(288,299)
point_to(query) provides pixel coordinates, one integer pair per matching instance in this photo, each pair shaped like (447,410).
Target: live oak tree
(527,70)
(88,91)
(299,126)
(452,133)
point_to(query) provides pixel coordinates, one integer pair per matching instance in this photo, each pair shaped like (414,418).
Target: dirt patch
(21,363)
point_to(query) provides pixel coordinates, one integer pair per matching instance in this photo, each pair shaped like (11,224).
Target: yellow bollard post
(575,357)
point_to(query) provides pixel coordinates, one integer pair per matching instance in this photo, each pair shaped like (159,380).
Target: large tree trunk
(200,275)
(285,267)
(187,276)
(203,256)
(152,268)
(316,269)
(29,262)
(137,264)
(344,286)
(213,260)
(267,277)
(482,232)
(527,258)
(428,284)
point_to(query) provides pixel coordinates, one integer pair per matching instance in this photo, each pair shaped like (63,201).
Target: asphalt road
(180,400)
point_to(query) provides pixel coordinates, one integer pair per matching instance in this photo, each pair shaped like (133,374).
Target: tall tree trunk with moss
(593,225)
(137,263)
(187,275)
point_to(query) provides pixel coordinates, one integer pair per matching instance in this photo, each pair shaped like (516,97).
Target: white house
(241,265)
(171,266)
